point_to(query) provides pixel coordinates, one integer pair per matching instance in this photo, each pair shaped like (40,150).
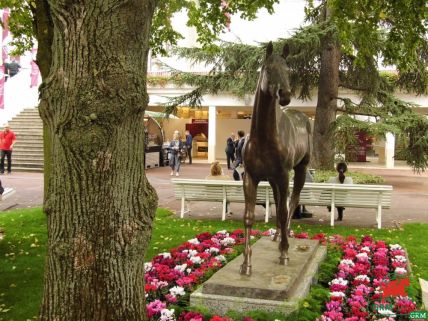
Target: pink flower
(404,305)
(170,298)
(155,307)
(333,315)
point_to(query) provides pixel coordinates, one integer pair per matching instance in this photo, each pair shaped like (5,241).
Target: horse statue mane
(280,140)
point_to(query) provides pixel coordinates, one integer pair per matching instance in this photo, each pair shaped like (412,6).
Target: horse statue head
(274,76)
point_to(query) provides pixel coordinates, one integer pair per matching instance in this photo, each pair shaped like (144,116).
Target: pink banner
(5,20)
(2,87)
(34,69)
(34,74)
(224,6)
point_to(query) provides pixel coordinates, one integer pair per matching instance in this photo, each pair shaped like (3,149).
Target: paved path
(409,202)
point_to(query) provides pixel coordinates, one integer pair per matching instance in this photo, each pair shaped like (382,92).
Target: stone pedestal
(270,287)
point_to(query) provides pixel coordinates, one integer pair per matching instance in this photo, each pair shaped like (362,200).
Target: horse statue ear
(285,51)
(269,49)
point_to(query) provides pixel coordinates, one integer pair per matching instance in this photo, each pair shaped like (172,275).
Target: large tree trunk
(99,203)
(328,88)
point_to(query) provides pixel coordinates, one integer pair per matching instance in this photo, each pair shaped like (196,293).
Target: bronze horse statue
(279,140)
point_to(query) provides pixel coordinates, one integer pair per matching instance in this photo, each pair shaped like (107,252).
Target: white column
(212,125)
(389,150)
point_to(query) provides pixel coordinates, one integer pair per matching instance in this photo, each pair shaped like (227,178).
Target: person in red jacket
(7,139)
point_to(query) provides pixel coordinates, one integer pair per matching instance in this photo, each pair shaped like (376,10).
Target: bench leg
(379,217)
(332,215)
(182,207)
(223,215)
(268,211)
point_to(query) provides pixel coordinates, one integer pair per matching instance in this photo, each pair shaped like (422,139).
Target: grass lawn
(23,249)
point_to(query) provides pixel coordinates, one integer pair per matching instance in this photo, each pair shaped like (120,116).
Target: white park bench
(317,194)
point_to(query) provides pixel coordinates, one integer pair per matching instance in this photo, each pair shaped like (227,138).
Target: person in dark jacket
(12,68)
(189,142)
(239,146)
(230,150)
(341,169)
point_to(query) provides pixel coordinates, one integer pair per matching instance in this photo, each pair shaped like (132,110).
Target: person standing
(7,140)
(189,142)
(239,146)
(174,153)
(230,150)
(341,169)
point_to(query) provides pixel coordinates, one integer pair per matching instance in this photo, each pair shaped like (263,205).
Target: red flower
(302,235)
(217,318)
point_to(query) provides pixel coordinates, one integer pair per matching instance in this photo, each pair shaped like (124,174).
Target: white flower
(189,270)
(386,312)
(196,259)
(347,262)
(148,266)
(214,250)
(194,241)
(362,277)
(167,315)
(337,294)
(400,271)
(166,255)
(220,258)
(177,290)
(365,249)
(272,231)
(340,281)
(223,232)
(227,241)
(181,267)
(400,258)
(362,255)
(192,253)
(395,247)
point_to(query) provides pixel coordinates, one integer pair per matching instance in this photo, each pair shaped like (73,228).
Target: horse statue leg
(282,213)
(275,197)
(299,182)
(250,193)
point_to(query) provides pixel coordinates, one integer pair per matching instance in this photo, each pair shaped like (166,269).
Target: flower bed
(355,292)
(363,288)
(171,277)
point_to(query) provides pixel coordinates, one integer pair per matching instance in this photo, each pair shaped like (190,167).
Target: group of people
(233,149)
(176,145)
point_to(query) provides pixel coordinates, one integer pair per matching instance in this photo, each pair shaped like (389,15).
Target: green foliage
(208,17)
(365,30)
(322,176)
(20,24)
(392,115)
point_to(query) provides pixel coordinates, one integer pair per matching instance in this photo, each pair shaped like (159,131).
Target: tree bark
(99,204)
(325,115)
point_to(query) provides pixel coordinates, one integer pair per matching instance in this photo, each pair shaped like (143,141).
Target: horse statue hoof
(283,260)
(245,270)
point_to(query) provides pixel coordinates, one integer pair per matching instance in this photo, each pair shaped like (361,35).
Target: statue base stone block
(271,287)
